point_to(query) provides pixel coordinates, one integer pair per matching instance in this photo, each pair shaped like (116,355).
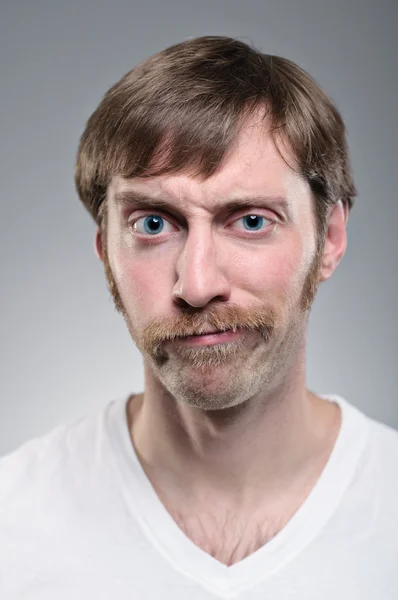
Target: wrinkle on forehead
(254,168)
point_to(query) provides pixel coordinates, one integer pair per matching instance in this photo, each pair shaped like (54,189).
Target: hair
(181,110)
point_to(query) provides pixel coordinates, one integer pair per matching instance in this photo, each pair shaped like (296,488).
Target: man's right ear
(98,245)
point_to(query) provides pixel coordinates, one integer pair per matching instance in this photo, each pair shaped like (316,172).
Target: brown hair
(181,109)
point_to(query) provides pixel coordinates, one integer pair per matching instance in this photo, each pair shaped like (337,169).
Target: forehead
(253,168)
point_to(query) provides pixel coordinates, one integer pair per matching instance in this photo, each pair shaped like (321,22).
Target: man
(220,183)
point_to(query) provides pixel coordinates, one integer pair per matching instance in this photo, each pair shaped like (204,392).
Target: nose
(200,276)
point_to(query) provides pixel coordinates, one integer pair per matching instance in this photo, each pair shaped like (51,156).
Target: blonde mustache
(225,318)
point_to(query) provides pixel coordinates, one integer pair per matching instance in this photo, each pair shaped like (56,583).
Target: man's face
(196,264)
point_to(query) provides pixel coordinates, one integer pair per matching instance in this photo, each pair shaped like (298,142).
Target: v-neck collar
(169,539)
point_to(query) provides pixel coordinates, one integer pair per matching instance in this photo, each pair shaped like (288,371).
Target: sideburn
(311,282)
(111,283)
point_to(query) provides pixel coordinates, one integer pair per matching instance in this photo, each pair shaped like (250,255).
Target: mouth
(210,337)
(208,332)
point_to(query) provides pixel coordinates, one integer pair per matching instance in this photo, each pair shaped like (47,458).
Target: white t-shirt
(79,520)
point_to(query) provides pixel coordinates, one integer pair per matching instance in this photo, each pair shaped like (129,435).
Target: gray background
(64,349)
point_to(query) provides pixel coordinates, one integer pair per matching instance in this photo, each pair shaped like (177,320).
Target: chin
(209,387)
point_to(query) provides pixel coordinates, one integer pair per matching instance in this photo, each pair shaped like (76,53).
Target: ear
(98,245)
(336,239)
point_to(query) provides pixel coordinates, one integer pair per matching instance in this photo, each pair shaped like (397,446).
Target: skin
(229,429)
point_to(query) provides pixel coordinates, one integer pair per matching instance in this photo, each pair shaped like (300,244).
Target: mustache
(221,318)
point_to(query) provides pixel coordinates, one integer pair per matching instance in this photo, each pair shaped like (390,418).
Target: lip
(209,339)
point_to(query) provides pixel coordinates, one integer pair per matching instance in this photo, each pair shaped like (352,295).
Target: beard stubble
(224,317)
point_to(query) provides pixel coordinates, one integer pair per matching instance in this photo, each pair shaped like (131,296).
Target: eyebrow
(138,200)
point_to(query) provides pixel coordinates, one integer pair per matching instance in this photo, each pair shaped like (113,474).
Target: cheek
(278,270)
(144,280)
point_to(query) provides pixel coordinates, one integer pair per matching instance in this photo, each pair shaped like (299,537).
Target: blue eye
(153,224)
(253,222)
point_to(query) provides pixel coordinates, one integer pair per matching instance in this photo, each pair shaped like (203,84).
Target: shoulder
(54,491)
(52,466)
(35,462)
(379,466)
(380,440)
(383,441)
(368,450)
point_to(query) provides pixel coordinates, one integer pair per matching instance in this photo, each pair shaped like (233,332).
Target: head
(220,184)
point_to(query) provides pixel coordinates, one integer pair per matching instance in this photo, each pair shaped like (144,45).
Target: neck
(243,453)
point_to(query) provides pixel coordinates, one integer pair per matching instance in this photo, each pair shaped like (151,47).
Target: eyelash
(153,237)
